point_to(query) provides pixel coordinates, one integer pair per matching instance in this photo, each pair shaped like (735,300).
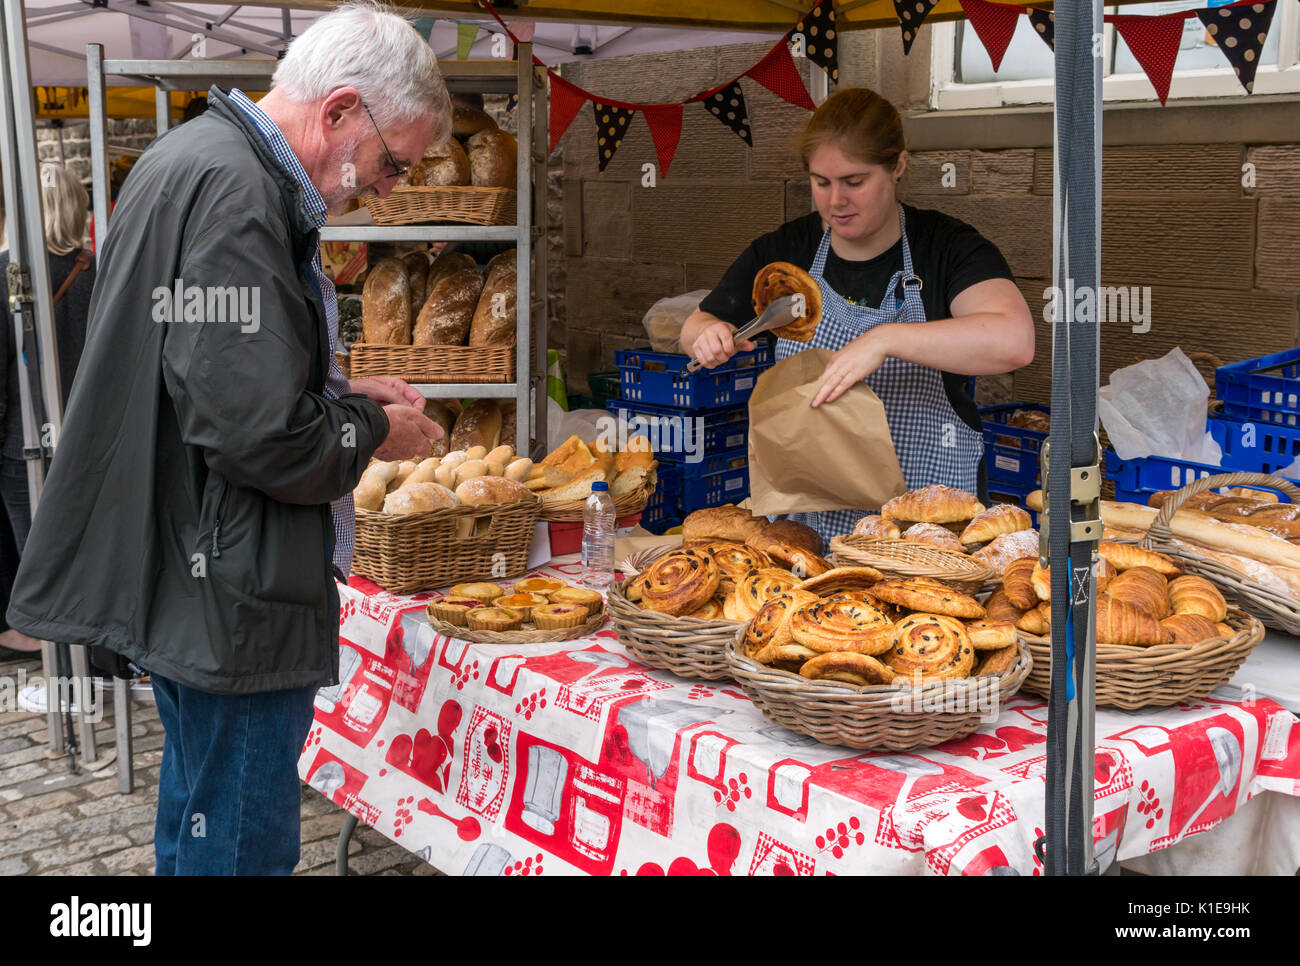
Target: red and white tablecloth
(573,757)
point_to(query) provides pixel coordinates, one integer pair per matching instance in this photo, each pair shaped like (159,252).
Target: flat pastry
(590,599)
(1126,556)
(804,564)
(1143,588)
(933,504)
(778,279)
(680,582)
(987,635)
(928,595)
(634,587)
(481,591)
(842,622)
(453,610)
(934,535)
(788,533)
(1122,623)
(1017,581)
(522,604)
(933,646)
(997,662)
(999,519)
(1196,595)
(1037,620)
(842,579)
(771,625)
(761,586)
(999,607)
(877,527)
(1006,548)
(538,585)
(1189,628)
(735,561)
(847,667)
(731,608)
(554,617)
(494,619)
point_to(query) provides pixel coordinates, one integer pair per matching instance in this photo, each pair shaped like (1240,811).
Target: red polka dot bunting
(1240,33)
(1044,25)
(911,14)
(820,39)
(611,125)
(1154,43)
(728,106)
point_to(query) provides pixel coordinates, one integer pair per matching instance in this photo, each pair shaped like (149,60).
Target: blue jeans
(228,791)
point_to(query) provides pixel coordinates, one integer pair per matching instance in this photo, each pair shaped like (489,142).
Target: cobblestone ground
(56,822)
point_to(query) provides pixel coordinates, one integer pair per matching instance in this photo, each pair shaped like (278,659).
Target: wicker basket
(410,205)
(1275,609)
(593,624)
(625,504)
(434,363)
(1130,678)
(687,646)
(634,563)
(412,552)
(900,558)
(870,718)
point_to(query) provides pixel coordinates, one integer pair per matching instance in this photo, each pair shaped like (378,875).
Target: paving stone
(54,818)
(10,745)
(141,834)
(114,803)
(70,852)
(32,842)
(373,862)
(118,821)
(139,856)
(323,826)
(22,756)
(39,803)
(316,854)
(92,867)
(13,866)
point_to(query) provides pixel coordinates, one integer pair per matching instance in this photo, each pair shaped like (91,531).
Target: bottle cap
(598,486)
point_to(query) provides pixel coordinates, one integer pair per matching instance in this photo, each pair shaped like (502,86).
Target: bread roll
(468,121)
(404,469)
(445,475)
(495,468)
(444,165)
(493,158)
(421,496)
(373,485)
(448,263)
(503,454)
(495,317)
(417,268)
(386,304)
(470,469)
(519,469)
(478,425)
(492,489)
(455,457)
(477,452)
(447,313)
(442,414)
(426,472)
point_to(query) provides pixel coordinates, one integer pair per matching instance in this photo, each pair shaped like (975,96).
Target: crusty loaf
(508,426)
(468,121)
(492,489)
(727,522)
(789,532)
(492,159)
(447,313)
(447,263)
(444,416)
(445,165)
(417,268)
(478,425)
(495,316)
(386,304)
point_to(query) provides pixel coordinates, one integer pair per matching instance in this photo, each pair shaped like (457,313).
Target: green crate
(605,385)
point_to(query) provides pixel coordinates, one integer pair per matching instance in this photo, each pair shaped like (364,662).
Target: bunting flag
(911,14)
(1044,24)
(466,34)
(566,101)
(728,106)
(1154,42)
(820,41)
(1240,33)
(777,72)
(611,125)
(994,24)
(522,31)
(665,123)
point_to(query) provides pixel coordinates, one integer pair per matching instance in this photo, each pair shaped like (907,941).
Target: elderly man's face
(359,166)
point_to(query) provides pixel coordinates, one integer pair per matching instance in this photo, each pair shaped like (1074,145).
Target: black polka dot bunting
(911,14)
(1240,33)
(820,39)
(1044,25)
(728,106)
(611,125)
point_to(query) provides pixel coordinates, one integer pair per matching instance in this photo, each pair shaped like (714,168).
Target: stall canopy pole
(1071,527)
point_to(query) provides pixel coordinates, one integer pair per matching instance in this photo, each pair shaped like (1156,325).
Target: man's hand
(387,390)
(410,433)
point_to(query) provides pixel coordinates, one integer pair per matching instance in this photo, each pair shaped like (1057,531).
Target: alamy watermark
(77,694)
(664,435)
(209,304)
(1108,305)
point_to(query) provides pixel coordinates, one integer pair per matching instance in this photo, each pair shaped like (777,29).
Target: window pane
(1027,58)
(1197,50)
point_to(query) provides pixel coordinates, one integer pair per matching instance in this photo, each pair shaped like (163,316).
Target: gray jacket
(185,521)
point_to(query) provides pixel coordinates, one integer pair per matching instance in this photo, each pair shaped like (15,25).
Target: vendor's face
(855,198)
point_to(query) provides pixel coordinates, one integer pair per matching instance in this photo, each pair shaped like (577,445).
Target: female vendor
(913,301)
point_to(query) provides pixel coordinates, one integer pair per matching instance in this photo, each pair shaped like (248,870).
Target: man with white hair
(199,506)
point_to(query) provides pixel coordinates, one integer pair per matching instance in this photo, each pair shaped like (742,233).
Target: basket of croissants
(463,517)
(938,532)
(882,664)
(1163,636)
(679,608)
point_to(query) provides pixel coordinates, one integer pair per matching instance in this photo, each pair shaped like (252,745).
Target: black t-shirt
(949,255)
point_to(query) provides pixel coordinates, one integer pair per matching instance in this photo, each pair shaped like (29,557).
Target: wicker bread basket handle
(1160,526)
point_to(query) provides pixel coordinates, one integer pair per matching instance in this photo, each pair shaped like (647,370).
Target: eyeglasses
(398,170)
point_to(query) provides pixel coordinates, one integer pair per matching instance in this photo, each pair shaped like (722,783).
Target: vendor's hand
(714,345)
(410,433)
(389,389)
(857,360)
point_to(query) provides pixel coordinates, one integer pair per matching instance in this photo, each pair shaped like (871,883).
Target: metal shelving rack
(519,76)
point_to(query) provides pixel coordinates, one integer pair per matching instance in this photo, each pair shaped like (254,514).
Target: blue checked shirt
(335,384)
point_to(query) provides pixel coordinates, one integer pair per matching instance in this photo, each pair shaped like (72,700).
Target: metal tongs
(779,313)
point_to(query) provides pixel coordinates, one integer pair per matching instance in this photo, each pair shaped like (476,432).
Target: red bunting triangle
(566,101)
(779,75)
(665,122)
(1154,42)
(994,24)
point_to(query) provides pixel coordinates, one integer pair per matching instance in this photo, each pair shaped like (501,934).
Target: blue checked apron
(933,443)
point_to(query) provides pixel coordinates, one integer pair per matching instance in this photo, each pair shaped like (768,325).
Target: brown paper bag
(642,539)
(838,456)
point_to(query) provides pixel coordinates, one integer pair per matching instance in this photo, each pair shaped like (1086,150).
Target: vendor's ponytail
(864,125)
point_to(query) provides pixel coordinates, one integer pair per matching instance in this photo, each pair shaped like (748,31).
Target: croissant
(779,279)
(1018,583)
(878,527)
(1189,628)
(1196,595)
(1008,547)
(933,504)
(1126,556)
(996,520)
(1144,589)
(1121,623)
(1106,572)
(1037,620)
(999,607)
(1041,579)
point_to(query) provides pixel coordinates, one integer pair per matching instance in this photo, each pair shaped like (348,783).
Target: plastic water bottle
(598,539)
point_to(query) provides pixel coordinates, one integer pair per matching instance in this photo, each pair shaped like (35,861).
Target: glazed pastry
(735,562)
(987,635)
(1040,578)
(590,599)
(680,582)
(843,622)
(1189,628)
(782,278)
(804,564)
(999,607)
(933,535)
(1196,595)
(522,604)
(788,533)
(761,586)
(453,610)
(933,504)
(494,619)
(537,585)
(632,589)
(711,611)
(481,591)
(731,608)
(1121,623)
(554,617)
(1144,589)
(877,527)
(1006,548)
(842,579)
(928,595)
(1037,620)
(771,625)
(997,662)
(858,669)
(1018,583)
(1126,556)
(935,646)
(999,519)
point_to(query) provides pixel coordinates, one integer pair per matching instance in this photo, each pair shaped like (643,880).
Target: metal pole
(540,320)
(97,109)
(85,700)
(122,727)
(162,102)
(524,384)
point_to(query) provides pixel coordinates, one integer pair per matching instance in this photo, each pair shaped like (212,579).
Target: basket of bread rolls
(679,607)
(440,321)
(534,610)
(471,177)
(931,532)
(1164,635)
(884,664)
(460,517)
(564,476)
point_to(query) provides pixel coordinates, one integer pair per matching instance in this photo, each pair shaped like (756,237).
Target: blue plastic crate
(1010,452)
(1136,479)
(730,486)
(678,435)
(657,378)
(1002,492)
(668,492)
(1015,467)
(1266,389)
(1258,447)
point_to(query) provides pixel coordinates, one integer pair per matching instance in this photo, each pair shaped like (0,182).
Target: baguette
(1193,525)
(494,317)
(478,425)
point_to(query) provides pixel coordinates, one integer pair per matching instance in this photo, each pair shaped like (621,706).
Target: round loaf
(492,159)
(468,121)
(492,489)
(445,165)
(727,522)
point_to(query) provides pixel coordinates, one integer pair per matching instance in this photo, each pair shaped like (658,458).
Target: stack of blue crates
(698,424)
(1011,454)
